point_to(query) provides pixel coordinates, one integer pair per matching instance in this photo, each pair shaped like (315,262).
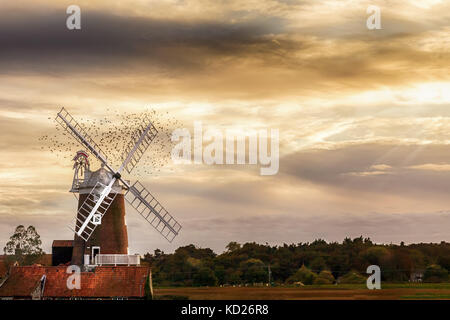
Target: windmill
(103,190)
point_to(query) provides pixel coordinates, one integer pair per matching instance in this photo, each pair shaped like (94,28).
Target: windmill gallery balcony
(117,259)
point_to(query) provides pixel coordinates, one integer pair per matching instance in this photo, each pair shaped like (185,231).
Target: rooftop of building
(62,243)
(3,266)
(45,260)
(103,282)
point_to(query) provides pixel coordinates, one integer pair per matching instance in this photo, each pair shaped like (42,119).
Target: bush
(324,277)
(352,277)
(303,275)
(435,273)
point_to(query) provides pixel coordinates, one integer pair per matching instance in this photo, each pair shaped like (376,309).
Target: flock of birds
(112,134)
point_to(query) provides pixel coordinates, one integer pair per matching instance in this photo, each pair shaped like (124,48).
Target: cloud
(108,40)
(357,168)
(363,115)
(259,56)
(381,167)
(431,167)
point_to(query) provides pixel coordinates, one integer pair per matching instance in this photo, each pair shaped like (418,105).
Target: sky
(362,114)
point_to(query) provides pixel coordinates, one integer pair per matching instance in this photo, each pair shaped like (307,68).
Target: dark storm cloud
(261,56)
(115,41)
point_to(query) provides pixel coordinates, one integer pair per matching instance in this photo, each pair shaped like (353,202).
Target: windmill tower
(110,237)
(99,226)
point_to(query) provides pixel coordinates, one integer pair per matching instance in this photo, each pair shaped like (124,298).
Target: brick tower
(110,237)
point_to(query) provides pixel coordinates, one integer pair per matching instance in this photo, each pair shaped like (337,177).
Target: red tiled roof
(45,260)
(21,282)
(62,243)
(3,268)
(121,281)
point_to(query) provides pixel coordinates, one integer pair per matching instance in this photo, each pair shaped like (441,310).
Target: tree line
(318,262)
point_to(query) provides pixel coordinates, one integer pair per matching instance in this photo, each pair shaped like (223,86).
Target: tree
(219,271)
(233,276)
(24,245)
(352,277)
(303,275)
(318,264)
(376,255)
(247,262)
(435,273)
(205,277)
(324,277)
(253,271)
(444,261)
(233,246)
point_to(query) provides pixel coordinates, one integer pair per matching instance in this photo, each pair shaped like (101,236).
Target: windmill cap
(103,176)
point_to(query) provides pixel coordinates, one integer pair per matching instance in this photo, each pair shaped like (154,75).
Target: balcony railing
(117,259)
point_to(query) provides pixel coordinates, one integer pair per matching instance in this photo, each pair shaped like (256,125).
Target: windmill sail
(152,211)
(99,200)
(79,133)
(83,224)
(139,143)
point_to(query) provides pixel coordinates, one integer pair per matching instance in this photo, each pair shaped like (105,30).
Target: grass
(426,296)
(417,285)
(384,285)
(389,291)
(170,297)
